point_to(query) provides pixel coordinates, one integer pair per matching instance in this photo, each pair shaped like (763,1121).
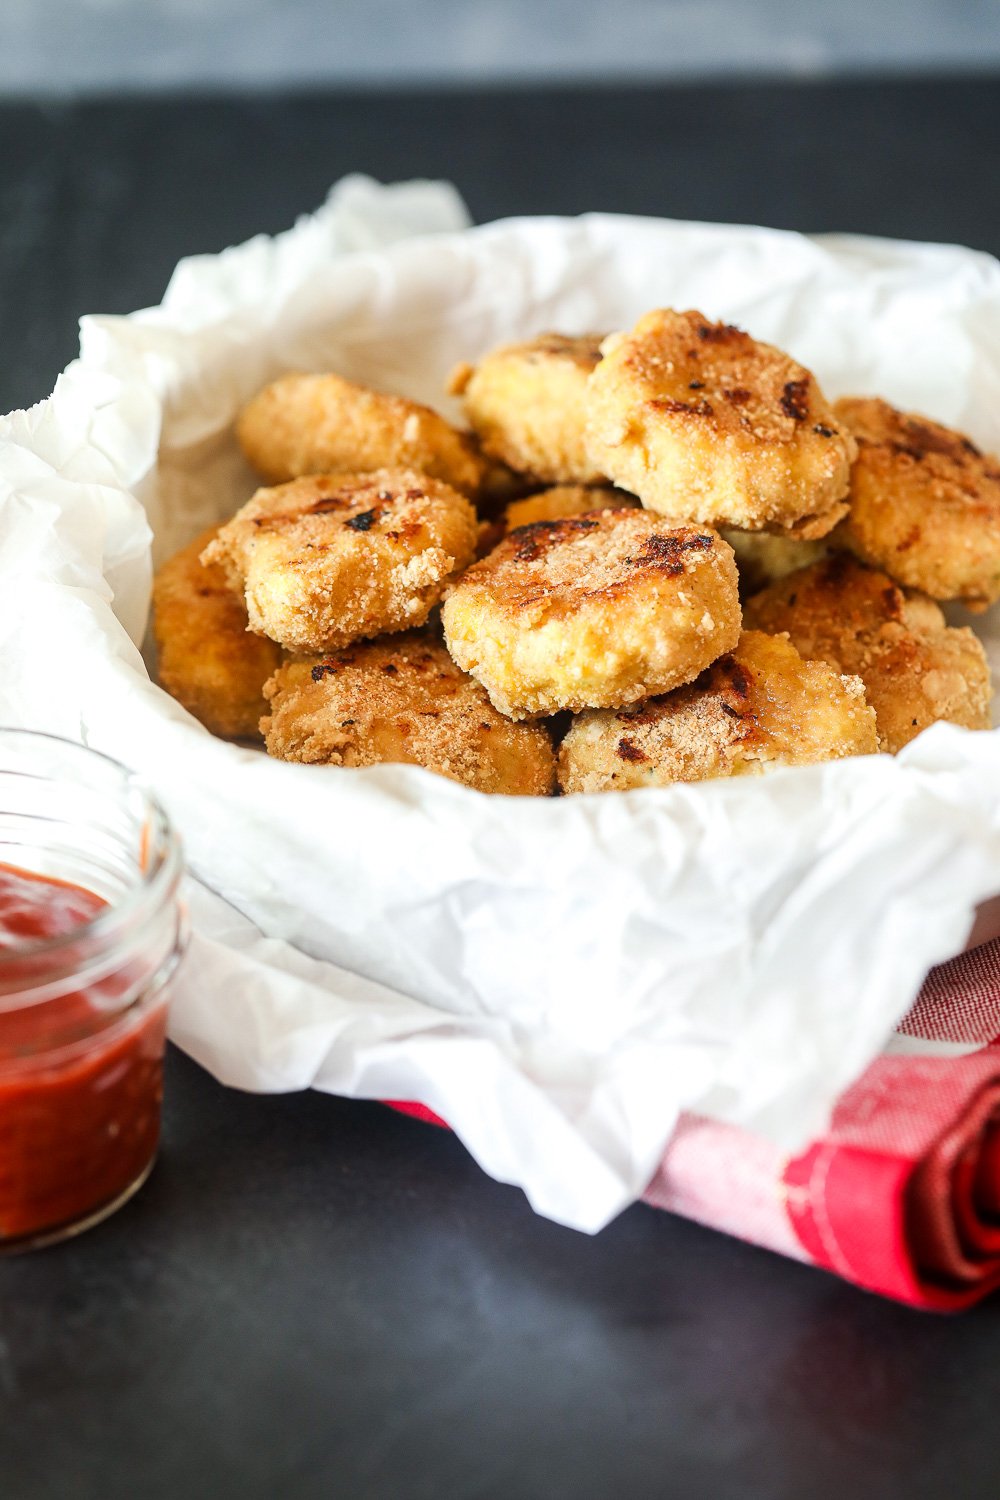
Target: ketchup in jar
(90,933)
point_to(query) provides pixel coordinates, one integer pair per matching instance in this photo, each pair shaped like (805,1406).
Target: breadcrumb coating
(332,558)
(756,708)
(705,423)
(565,500)
(317,424)
(593,611)
(207,658)
(925,504)
(403,700)
(916,668)
(526,402)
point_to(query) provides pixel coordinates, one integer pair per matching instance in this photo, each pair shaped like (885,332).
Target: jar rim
(157,879)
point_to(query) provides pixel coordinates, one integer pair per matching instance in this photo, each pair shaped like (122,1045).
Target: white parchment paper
(557,978)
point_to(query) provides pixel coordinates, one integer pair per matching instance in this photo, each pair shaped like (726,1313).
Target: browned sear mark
(629,750)
(671,406)
(921,440)
(737,675)
(718,333)
(795,400)
(364,521)
(533,539)
(323,669)
(326,504)
(666,553)
(911,539)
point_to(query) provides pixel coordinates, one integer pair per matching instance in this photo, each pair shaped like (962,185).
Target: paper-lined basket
(560,978)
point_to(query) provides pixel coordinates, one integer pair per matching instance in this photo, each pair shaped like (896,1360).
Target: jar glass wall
(91,930)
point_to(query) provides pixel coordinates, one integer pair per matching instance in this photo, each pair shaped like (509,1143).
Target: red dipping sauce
(82,1033)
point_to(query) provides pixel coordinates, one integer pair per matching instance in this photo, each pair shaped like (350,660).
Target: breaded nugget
(331,558)
(915,668)
(207,658)
(704,423)
(925,504)
(759,707)
(405,700)
(526,402)
(593,611)
(763,558)
(565,500)
(317,424)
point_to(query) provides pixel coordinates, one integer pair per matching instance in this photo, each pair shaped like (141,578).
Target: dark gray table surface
(313,1298)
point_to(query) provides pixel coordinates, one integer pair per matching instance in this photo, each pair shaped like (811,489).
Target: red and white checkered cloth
(901,1195)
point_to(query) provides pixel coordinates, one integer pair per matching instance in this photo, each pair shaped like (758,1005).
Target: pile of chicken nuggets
(658,556)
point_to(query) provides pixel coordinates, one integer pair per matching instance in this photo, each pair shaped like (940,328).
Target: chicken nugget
(207,658)
(759,707)
(330,558)
(317,424)
(704,423)
(916,669)
(593,611)
(925,504)
(403,700)
(565,500)
(763,558)
(526,402)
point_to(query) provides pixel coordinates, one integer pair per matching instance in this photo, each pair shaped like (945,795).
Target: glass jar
(91,930)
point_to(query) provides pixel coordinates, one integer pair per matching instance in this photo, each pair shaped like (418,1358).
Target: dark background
(313,1298)
(98,200)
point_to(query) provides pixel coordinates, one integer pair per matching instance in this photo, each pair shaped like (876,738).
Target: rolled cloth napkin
(901,1194)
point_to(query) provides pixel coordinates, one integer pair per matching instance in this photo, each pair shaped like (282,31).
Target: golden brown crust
(756,708)
(703,422)
(526,402)
(403,700)
(318,424)
(595,610)
(207,658)
(565,500)
(328,559)
(925,504)
(916,669)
